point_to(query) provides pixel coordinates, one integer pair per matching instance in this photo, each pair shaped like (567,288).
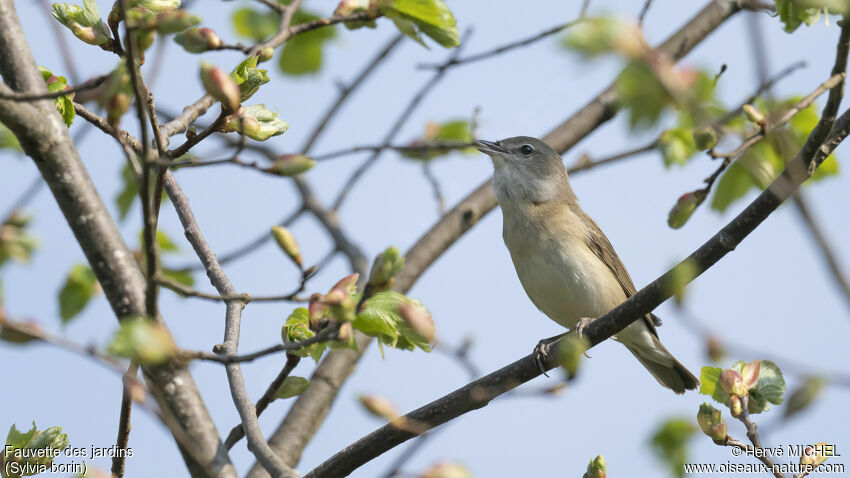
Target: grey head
(526,169)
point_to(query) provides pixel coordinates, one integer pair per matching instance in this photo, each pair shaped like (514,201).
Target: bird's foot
(579,329)
(541,350)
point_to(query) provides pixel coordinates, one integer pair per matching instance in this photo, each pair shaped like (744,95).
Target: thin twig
(61,42)
(730,157)
(124,425)
(87,85)
(346,91)
(435,187)
(507,47)
(397,125)
(237,432)
(438,146)
(643,11)
(149,220)
(191,142)
(327,334)
(823,245)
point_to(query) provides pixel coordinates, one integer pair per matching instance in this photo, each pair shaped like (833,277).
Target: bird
(566,264)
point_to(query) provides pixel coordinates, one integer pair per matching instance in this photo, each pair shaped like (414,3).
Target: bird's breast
(560,274)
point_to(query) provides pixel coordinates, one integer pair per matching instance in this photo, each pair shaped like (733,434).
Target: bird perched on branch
(565,263)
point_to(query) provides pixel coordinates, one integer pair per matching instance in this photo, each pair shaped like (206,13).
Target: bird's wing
(599,244)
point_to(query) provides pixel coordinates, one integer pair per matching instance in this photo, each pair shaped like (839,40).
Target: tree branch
(233,316)
(44,137)
(237,432)
(396,127)
(294,433)
(480,392)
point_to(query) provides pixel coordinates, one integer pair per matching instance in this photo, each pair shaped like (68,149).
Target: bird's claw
(579,329)
(541,350)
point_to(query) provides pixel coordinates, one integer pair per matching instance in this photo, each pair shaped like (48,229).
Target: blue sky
(773,293)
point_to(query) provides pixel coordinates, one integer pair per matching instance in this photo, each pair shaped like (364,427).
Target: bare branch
(396,127)
(233,316)
(87,85)
(346,90)
(124,426)
(237,432)
(43,136)
(823,245)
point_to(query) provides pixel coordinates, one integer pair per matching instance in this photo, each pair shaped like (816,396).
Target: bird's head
(526,168)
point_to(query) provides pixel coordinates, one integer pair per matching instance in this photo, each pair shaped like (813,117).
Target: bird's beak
(490,148)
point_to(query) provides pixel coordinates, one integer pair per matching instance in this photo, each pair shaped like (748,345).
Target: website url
(792,468)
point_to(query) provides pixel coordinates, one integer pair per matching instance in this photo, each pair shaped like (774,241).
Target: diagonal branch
(293,434)
(479,393)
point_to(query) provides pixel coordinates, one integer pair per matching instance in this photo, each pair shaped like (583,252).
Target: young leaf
(80,286)
(431,17)
(302,54)
(670,444)
(256,122)
(144,341)
(182,276)
(677,146)
(249,77)
(792,14)
(709,378)
(381,317)
(292,387)
(296,329)
(255,25)
(84,22)
(33,448)
(769,389)
(642,93)
(64,104)
(8,139)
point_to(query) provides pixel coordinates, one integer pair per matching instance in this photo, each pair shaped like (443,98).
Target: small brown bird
(565,263)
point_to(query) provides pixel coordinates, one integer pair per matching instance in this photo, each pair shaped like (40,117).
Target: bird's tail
(671,373)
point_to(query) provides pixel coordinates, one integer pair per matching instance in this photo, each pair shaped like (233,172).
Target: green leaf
(709,378)
(8,139)
(431,17)
(255,25)
(64,104)
(641,92)
(670,444)
(80,286)
(451,131)
(144,341)
(769,389)
(733,185)
(256,122)
(19,439)
(756,168)
(593,37)
(296,329)
(677,146)
(50,439)
(182,276)
(292,387)
(792,14)
(380,318)
(128,193)
(130,190)
(302,54)
(249,77)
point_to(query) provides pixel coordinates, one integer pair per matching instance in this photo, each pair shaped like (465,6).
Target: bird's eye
(526,150)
